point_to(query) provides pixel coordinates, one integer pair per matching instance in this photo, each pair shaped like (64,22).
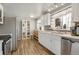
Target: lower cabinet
(43,39)
(51,42)
(56,44)
(75,48)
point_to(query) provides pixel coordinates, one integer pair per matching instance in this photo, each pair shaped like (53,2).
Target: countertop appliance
(72,29)
(75,29)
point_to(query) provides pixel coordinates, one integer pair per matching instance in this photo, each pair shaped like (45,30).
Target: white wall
(9,27)
(22,11)
(18,28)
(75,12)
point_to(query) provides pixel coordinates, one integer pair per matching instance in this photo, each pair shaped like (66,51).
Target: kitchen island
(57,42)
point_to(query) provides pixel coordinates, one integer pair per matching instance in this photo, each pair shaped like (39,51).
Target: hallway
(30,47)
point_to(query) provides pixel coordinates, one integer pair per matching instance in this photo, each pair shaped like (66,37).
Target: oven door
(7,47)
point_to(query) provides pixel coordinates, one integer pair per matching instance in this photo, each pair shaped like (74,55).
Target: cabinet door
(47,40)
(75,48)
(46,19)
(56,44)
(42,38)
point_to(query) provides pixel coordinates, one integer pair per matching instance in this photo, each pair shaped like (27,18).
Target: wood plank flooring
(30,47)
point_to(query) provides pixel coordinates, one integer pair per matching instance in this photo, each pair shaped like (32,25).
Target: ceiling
(27,9)
(21,9)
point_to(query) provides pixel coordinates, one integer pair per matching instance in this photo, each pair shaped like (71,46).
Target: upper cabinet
(1,14)
(46,19)
(42,21)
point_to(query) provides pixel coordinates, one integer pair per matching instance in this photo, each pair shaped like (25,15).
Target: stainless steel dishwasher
(66,45)
(69,46)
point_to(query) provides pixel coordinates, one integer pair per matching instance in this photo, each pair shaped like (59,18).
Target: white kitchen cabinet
(50,41)
(42,21)
(75,48)
(43,39)
(1,14)
(47,39)
(56,44)
(39,23)
(1,47)
(46,19)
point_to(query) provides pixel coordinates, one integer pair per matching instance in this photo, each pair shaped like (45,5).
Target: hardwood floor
(30,47)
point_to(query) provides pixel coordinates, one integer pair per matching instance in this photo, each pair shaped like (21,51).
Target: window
(65,18)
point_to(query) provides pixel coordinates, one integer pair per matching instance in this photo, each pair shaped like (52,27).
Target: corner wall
(9,27)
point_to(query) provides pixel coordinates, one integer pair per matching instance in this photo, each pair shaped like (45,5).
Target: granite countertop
(66,35)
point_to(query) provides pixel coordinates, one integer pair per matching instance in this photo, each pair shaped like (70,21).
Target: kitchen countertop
(65,35)
(4,37)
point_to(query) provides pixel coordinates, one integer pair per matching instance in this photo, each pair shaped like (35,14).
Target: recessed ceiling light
(31,16)
(49,10)
(62,3)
